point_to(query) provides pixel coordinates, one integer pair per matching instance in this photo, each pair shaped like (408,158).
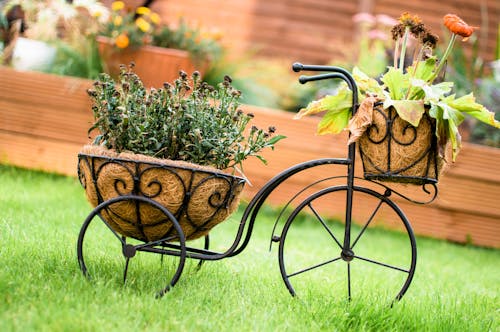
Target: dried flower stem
(396,54)
(403,48)
(444,58)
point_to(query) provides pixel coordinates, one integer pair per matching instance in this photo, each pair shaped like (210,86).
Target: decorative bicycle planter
(348,260)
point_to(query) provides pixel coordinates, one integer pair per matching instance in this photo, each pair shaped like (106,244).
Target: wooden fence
(44,121)
(317,31)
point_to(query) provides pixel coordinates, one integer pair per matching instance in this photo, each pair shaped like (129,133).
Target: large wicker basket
(199,197)
(393,150)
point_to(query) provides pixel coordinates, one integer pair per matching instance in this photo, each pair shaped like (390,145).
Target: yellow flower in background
(142,24)
(117,5)
(118,21)
(155,18)
(214,34)
(132,28)
(143,11)
(122,41)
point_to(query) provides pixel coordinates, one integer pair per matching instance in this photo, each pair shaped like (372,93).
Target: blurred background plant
(202,44)
(68,27)
(488,91)
(373,49)
(371,52)
(130,28)
(265,82)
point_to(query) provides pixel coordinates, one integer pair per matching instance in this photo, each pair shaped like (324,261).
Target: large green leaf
(423,70)
(410,110)
(333,103)
(334,121)
(397,83)
(366,84)
(436,92)
(467,104)
(441,128)
(453,119)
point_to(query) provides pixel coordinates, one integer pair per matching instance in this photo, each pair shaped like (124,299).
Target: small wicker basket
(199,197)
(393,150)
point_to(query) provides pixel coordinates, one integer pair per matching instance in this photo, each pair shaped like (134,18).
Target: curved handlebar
(334,72)
(304,79)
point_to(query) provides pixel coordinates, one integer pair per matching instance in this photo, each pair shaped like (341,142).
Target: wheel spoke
(119,237)
(324,225)
(349,280)
(367,223)
(155,243)
(313,267)
(382,264)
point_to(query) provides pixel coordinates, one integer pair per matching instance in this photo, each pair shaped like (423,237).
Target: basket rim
(178,164)
(400,178)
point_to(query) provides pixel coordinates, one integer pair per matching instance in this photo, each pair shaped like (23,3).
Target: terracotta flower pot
(155,65)
(199,197)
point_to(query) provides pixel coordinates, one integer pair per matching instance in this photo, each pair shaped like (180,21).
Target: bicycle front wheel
(381,256)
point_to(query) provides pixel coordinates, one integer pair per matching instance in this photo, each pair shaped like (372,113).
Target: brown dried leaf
(362,119)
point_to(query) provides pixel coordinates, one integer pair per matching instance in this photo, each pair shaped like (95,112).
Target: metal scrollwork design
(432,192)
(211,199)
(395,150)
(198,199)
(374,131)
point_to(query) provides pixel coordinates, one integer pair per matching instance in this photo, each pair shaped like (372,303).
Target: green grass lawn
(455,287)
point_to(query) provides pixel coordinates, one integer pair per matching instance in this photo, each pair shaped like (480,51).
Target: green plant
(412,90)
(72,61)
(189,120)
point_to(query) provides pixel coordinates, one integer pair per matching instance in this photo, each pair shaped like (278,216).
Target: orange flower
(457,26)
(122,41)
